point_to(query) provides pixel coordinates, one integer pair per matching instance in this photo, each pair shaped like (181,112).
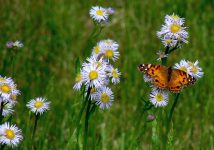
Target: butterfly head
(144,67)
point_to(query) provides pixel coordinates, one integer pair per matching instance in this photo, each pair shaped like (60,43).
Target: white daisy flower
(175,31)
(97,49)
(161,55)
(195,70)
(38,105)
(169,41)
(110,53)
(7,109)
(174,18)
(18,44)
(95,62)
(6,89)
(183,65)
(104,98)
(159,98)
(114,74)
(78,81)
(11,135)
(93,75)
(99,14)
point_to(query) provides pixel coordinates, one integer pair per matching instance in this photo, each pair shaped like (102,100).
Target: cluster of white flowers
(9,135)
(97,72)
(173,31)
(101,14)
(16,44)
(38,105)
(8,95)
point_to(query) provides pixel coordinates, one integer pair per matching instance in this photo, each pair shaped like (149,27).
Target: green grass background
(56,32)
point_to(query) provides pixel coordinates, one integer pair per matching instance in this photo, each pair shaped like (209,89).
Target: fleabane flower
(7,88)
(95,61)
(38,105)
(161,55)
(99,14)
(104,98)
(159,98)
(110,52)
(174,30)
(169,41)
(78,81)
(110,10)
(174,18)
(195,70)
(183,65)
(114,74)
(93,75)
(11,135)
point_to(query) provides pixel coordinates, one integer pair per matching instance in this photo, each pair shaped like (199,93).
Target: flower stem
(3,146)
(34,129)
(80,115)
(1,111)
(173,108)
(164,60)
(86,124)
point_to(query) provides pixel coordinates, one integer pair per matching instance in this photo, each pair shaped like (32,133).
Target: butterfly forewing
(158,74)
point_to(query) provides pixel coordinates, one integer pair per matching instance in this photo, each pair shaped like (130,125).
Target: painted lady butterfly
(167,78)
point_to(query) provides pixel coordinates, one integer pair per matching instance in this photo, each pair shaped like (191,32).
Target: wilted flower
(110,10)
(9,44)
(161,55)
(151,117)
(18,44)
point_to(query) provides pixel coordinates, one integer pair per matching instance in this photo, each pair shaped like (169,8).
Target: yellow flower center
(10,134)
(38,104)
(99,12)
(93,75)
(175,17)
(93,90)
(183,68)
(168,41)
(159,97)
(5,88)
(99,64)
(194,69)
(109,53)
(175,28)
(78,77)
(105,98)
(97,49)
(114,74)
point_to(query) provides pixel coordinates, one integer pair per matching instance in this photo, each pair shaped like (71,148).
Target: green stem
(1,111)
(173,107)
(80,114)
(3,146)
(164,60)
(34,129)
(86,124)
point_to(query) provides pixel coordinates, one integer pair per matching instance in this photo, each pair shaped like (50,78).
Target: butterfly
(167,78)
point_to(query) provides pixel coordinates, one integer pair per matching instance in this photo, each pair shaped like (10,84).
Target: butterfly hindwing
(178,80)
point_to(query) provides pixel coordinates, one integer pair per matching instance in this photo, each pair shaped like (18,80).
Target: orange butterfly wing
(178,80)
(158,74)
(166,78)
